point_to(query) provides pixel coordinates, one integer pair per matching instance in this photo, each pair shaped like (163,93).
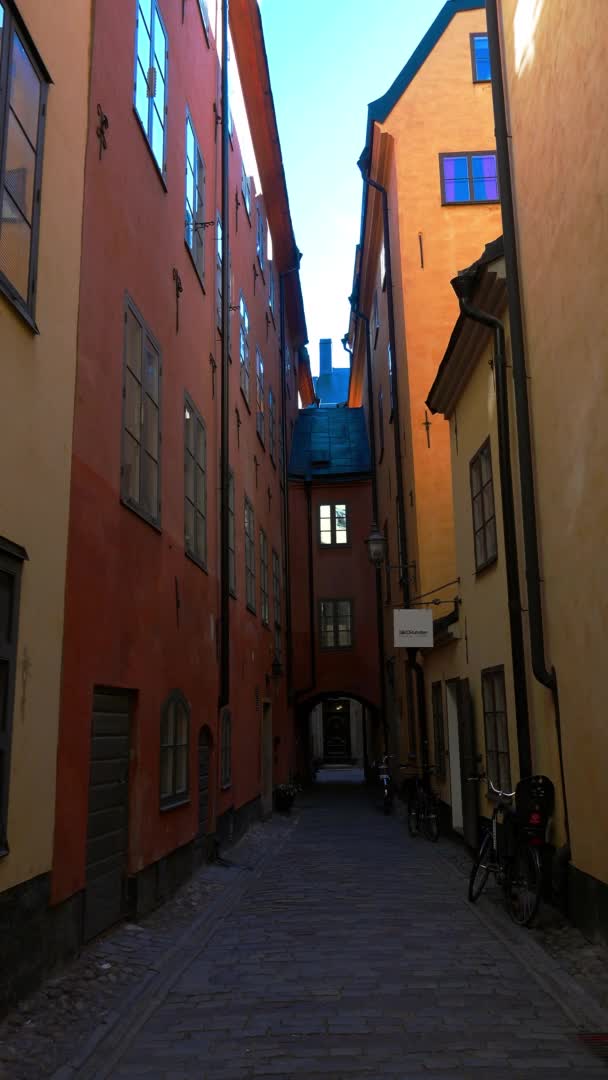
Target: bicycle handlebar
(501,794)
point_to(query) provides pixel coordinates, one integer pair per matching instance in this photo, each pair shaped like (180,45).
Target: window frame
(191,552)
(226,750)
(271,290)
(136,505)
(244,358)
(438,714)
(491,559)
(12,558)
(335,630)
(260,412)
(204,13)
(14,26)
(488,678)
(472,39)
(250,568)
(260,244)
(272,426)
(264,584)
(199,211)
(469,155)
(147,128)
(333,526)
(246,191)
(177,798)
(276,603)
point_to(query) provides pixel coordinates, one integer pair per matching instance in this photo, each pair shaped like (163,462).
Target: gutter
(285,515)
(224,696)
(463,286)
(545,675)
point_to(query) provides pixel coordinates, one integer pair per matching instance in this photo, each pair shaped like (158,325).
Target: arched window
(174,750)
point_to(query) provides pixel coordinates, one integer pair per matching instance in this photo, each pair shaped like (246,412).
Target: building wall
(553,58)
(140,614)
(37,372)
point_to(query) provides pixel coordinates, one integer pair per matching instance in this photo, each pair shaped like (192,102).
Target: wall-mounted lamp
(376,549)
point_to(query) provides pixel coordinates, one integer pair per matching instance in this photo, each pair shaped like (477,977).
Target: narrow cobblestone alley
(350,950)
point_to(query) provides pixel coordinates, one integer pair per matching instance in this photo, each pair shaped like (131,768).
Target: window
(23,94)
(382,267)
(195,200)
(151,78)
(244,347)
(246,189)
(249,556)
(495,723)
(140,468)
(336,624)
(438,728)
(276,593)
(174,746)
(480,58)
(467,178)
(202,6)
(376,318)
(260,243)
(389,359)
(272,426)
(226,750)
(484,519)
(333,524)
(231,536)
(271,299)
(195,484)
(381,422)
(10,582)
(264,596)
(259,416)
(218,273)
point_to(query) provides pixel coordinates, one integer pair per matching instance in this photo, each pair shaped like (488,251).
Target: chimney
(325,356)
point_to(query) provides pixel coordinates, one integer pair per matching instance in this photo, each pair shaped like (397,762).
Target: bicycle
(513,855)
(422,807)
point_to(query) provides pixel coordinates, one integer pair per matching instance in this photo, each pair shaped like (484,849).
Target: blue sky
(328,59)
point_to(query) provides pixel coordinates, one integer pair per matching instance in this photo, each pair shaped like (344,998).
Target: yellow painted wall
(554,58)
(37,374)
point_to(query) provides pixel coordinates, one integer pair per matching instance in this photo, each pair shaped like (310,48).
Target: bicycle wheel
(480,872)
(413,819)
(523,885)
(430,820)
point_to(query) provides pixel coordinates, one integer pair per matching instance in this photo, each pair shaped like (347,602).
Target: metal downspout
(285,515)
(225,407)
(509,532)
(311,588)
(546,676)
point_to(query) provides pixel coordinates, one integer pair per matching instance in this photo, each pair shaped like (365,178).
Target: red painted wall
(123,627)
(338,573)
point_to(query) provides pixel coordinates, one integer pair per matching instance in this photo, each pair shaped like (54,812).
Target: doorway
(454,754)
(204,759)
(336,732)
(267,755)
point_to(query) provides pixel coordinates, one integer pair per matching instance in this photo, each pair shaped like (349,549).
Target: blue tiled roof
(329,442)
(333,389)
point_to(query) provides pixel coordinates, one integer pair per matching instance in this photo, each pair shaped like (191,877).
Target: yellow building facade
(430,146)
(44,65)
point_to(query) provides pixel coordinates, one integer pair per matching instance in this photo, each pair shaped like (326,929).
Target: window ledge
(159,171)
(334,547)
(201,278)
(479,570)
(195,559)
(226,786)
(18,304)
(245,400)
(135,509)
(472,202)
(174,803)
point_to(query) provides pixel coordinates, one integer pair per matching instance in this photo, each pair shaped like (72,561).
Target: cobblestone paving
(351,951)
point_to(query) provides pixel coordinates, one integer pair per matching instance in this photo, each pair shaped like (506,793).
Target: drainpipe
(375,511)
(545,675)
(311,588)
(463,285)
(417,668)
(285,516)
(225,404)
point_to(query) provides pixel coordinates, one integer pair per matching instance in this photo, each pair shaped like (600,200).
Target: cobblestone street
(335,946)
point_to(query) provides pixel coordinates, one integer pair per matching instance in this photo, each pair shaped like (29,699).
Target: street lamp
(376,546)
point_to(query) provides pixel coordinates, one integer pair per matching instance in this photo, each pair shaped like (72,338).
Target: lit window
(468,178)
(195,200)
(174,746)
(140,468)
(480,58)
(259,417)
(23,94)
(333,524)
(151,77)
(195,484)
(336,624)
(244,346)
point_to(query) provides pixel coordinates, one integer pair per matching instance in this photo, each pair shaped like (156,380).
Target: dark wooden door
(108,819)
(468,764)
(204,758)
(336,733)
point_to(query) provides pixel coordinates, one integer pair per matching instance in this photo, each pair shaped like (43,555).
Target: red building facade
(148,767)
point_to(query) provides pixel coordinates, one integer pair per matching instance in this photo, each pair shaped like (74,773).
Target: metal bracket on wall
(102,127)
(179,288)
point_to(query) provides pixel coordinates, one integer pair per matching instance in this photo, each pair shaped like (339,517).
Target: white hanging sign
(413,628)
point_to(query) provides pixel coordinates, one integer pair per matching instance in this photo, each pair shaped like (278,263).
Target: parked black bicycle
(510,849)
(422,804)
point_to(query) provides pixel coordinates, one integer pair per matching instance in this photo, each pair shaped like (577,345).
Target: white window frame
(244,347)
(150,79)
(194,235)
